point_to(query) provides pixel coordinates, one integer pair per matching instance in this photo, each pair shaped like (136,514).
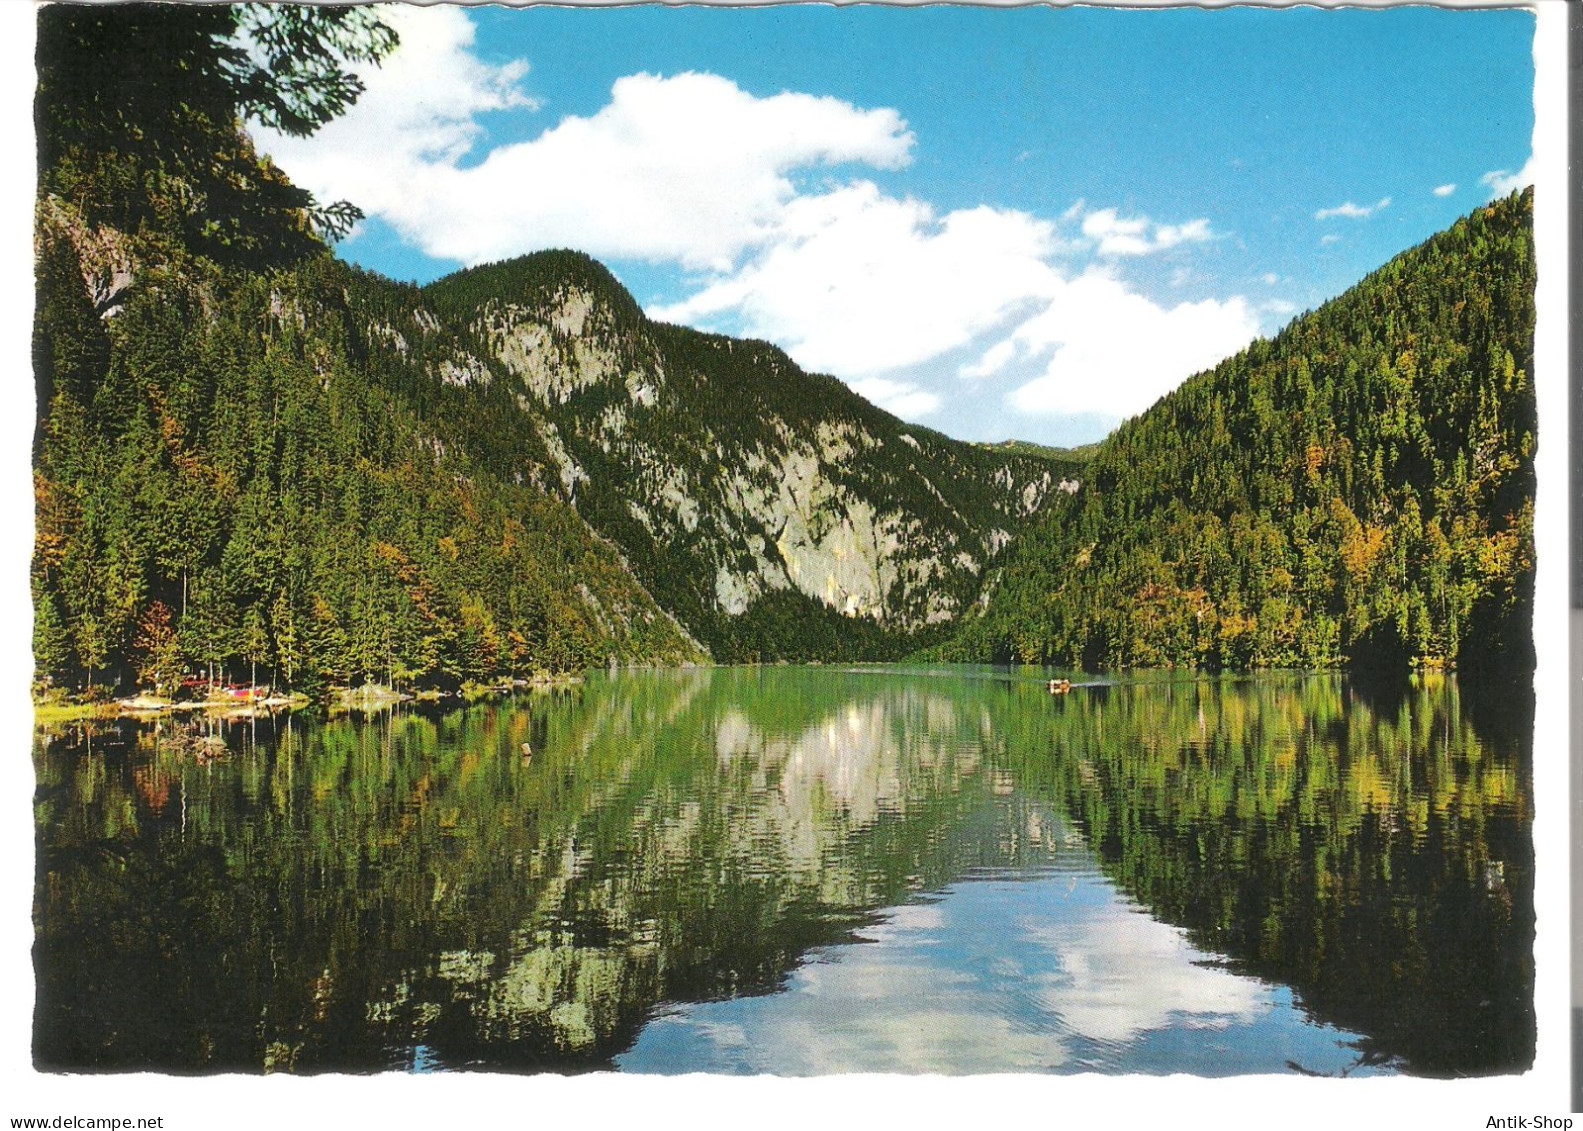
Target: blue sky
(1020,222)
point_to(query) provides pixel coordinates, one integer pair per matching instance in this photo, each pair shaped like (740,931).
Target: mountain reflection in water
(801,871)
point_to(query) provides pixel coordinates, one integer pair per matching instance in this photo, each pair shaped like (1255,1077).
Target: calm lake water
(801,870)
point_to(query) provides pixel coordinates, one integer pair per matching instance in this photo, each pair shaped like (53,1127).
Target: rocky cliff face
(724,473)
(311,475)
(251,453)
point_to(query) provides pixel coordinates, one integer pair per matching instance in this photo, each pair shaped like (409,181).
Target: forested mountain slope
(235,466)
(1358,488)
(776,513)
(252,457)
(239,469)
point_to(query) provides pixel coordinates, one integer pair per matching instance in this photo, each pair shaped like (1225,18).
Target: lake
(800,871)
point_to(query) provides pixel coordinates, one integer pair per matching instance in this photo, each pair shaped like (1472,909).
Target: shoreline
(145,705)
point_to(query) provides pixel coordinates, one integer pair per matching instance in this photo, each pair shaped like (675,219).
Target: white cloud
(416,118)
(689,168)
(1003,976)
(1503,182)
(1271,278)
(1353,211)
(868,286)
(899,397)
(1113,235)
(1116,236)
(858,283)
(1194,231)
(1280,307)
(693,172)
(894,1003)
(994,360)
(1445,190)
(1112,350)
(1329,238)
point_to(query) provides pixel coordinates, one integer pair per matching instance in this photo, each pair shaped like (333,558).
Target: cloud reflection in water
(1054,972)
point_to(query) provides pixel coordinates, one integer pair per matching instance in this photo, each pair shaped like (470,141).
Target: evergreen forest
(254,461)
(1358,489)
(234,473)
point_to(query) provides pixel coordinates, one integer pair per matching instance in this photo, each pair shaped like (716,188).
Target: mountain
(775,512)
(251,471)
(1357,489)
(252,458)
(1072,460)
(336,477)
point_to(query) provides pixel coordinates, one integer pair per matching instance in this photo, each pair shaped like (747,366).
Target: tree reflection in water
(407,890)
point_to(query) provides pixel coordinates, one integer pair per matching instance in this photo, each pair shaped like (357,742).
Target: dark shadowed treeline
(137,115)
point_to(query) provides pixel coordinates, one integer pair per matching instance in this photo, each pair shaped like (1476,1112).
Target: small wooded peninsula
(255,461)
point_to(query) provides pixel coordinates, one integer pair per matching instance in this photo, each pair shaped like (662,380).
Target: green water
(801,870)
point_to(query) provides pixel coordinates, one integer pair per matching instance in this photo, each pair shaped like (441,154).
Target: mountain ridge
(330,477)
(812,493)
(250,455)
(1356,489)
